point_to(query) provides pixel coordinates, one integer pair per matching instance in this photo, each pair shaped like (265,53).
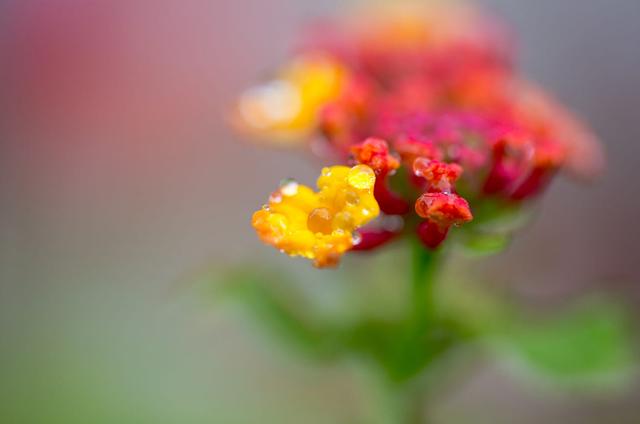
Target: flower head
(430,104)
(319,225)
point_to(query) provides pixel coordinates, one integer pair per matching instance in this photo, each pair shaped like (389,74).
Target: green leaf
(492,226)
(586,346)
(481,243)
(282,313)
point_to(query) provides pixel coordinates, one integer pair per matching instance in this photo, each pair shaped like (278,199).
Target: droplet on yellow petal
(319,221)
(351,198)
(343,221)
(289,188)
(361,177)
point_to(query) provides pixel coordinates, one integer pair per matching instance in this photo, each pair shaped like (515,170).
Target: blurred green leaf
(492,226)
(483,243)
(495,216)
(283,314)
(588,345)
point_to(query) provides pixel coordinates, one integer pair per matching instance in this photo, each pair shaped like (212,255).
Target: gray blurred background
(120,178)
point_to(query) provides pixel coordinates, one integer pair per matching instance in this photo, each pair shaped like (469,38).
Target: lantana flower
(430,105)
(438,141)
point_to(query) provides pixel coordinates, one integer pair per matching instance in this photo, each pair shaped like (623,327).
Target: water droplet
(276,197)
(357,238)
(420,167)
(277,101)
(351,198)
(361,177)
(343,220)
(319,221)
(288,187)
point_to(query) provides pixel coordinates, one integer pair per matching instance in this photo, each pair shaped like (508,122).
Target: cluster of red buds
(431,103)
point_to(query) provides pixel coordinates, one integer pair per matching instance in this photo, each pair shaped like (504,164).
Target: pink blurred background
(119,175)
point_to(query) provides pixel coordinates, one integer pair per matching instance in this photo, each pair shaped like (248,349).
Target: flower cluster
(430,105)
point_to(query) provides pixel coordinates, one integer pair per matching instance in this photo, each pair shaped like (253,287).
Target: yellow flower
(319,225)
(286,108)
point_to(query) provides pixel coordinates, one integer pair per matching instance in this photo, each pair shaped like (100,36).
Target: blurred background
(120,178)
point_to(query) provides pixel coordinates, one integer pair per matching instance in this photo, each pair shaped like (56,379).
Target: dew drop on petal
(351,198)
(320,221)
(266,105)
(338,232)
(361,177)
(276,197)
(289,187)
(343,220)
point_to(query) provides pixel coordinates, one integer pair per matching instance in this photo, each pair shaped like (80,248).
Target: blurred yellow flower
(285,109)
(319,225)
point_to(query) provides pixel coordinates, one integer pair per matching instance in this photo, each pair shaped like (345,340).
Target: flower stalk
(435,133)
(404,400)
(424,269)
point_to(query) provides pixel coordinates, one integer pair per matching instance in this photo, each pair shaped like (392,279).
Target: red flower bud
(374,153)
(431,234)
(445,209)
(439,175)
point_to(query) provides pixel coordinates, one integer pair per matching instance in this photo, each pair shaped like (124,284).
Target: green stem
(399,404)
(424,266)
(412,402)
(403,394)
